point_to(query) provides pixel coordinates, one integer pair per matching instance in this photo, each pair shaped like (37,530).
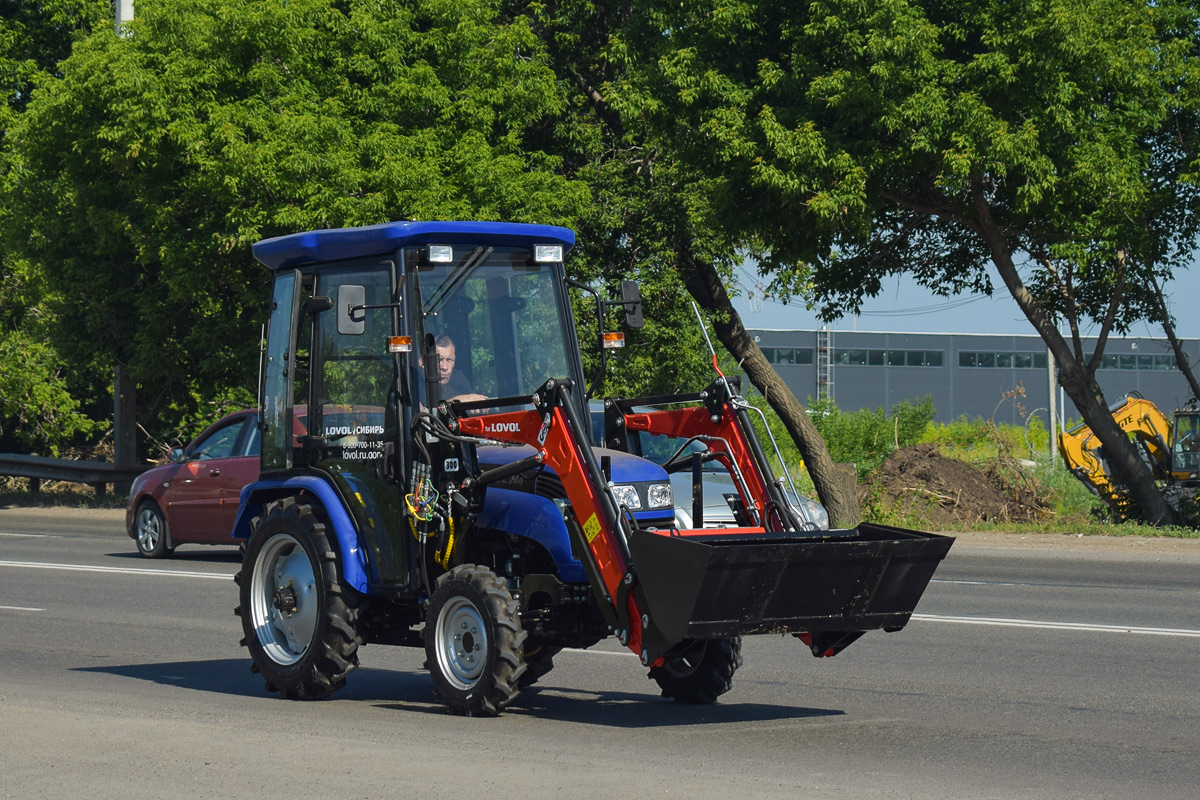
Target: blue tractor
(429,479)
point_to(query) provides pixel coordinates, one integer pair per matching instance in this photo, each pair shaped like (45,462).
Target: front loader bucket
(843,581)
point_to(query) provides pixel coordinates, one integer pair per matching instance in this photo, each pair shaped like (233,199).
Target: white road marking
(31,535)
(1059,626)
(19,608)
(169,573)
(994,621)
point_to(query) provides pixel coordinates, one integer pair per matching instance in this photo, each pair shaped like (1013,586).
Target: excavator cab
(1185,447)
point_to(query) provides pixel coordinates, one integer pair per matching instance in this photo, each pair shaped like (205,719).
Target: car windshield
(660,448)
(654,448)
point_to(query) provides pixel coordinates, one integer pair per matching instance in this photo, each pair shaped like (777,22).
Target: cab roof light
(612,341)
(547,253)
(441,254)
(400,344)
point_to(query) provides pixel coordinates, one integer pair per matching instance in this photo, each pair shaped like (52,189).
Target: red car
(194,498)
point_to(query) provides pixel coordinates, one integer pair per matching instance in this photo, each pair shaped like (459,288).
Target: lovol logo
(503,427)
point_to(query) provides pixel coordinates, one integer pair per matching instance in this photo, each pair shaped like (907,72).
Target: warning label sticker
(591,528)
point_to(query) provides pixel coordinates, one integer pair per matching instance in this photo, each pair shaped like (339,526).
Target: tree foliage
(145,171)
(1051,140)
(38,412)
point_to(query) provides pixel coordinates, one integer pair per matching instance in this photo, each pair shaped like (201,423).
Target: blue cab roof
(338,244)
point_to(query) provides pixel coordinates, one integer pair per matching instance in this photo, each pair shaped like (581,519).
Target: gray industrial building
(965,374)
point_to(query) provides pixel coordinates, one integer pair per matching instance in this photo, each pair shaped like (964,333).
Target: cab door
(353,410)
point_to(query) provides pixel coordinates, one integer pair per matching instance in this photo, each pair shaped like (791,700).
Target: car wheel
(150,529)
(299,619)
(474,641)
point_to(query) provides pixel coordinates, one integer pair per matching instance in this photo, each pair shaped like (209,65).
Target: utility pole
(1053,406)
(124,423)
(124,15)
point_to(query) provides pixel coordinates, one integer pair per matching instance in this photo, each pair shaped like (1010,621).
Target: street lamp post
(124,14)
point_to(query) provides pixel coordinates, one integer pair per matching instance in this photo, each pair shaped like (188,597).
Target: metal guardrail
(40,468)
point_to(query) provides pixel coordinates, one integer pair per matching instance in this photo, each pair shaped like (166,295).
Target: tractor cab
(371,330)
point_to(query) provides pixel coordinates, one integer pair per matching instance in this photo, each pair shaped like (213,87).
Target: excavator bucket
(835,582)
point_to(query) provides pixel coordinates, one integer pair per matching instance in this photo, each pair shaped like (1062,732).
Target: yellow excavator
(1171,448)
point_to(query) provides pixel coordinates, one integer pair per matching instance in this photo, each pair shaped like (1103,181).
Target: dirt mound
(944,490)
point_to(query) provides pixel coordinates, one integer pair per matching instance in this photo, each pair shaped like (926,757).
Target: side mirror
(176,455)
(351,320)
(631,298)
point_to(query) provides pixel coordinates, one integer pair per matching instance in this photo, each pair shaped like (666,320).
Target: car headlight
(660,495)
(819,515)
(627,496)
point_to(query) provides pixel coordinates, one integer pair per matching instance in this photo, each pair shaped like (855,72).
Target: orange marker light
(613,340)
(399,344)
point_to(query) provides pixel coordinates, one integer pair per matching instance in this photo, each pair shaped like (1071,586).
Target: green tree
(657,201)
(144,171)
(1050,140)
(37,410)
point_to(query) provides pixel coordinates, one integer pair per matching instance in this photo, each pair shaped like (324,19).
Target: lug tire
(702,671)
(150,529)
(298,618)
(474,641)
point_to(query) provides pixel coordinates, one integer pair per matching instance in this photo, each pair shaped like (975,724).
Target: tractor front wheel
(700,671)
(298,618)
(474,641)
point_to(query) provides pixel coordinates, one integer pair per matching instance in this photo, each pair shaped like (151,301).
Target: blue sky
(905,307)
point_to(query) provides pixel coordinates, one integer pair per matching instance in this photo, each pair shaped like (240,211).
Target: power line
(896,312)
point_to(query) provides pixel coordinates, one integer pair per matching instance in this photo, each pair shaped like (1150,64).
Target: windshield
(1187,442)
(499,327)
(654,448)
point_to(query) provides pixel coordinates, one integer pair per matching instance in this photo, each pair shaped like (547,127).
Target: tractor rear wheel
(298,618)
(474,641)
(699,672)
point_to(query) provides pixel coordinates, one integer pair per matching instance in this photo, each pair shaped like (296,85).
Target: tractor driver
(455,386)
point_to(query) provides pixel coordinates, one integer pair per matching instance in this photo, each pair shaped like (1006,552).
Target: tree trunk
(1130,472)
(837,494)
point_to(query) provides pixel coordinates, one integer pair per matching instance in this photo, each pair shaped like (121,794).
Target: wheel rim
(284,600)
(149,530)
(461,642)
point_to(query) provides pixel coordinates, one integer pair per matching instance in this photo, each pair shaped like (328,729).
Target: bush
(865,438)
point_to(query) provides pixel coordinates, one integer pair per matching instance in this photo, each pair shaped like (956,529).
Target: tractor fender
(255,497)
(536,518)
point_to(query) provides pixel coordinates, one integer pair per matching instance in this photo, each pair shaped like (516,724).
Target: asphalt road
(1052,672)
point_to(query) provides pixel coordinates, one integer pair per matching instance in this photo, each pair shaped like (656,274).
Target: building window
(1154,363)
(788,355)
(1005,360)
(887,358)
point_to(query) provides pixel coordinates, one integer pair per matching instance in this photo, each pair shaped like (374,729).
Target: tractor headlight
(660,495)
(627,496)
